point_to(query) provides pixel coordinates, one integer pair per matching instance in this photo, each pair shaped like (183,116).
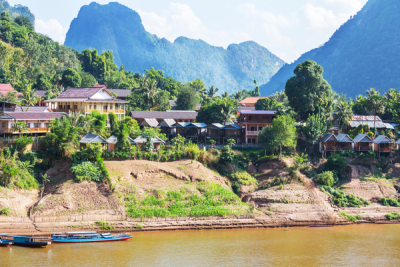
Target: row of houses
(361,143)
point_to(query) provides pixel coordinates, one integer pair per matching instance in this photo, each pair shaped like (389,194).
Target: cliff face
(116,27)
(361,54)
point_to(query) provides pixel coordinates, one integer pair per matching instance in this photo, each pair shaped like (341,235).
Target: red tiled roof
(5,93)
(6,87)
(251,99)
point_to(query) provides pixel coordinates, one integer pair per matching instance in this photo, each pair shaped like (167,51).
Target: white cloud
(180,20)
(52,28)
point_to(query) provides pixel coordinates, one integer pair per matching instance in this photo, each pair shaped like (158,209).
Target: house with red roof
(251,101)
(6,88)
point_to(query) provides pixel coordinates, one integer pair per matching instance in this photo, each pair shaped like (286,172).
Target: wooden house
(363,143)
(180,128)
(91,139)
(345,143)
(112,141)
(232,131)
(328,143)
(166,126)
(140,141)
(196,132)
(382,143)
(215,132)
(253,121)
(149,123)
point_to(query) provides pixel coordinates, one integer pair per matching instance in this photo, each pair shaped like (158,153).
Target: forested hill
(363,53)
(116,27)
(17,10)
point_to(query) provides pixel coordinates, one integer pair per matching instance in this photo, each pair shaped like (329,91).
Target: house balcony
(385,149)
(30,130)
(253,132)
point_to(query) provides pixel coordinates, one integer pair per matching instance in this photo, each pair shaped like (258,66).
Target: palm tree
(375,104)
(372,91)
(29,97)
(225,94)
(238,95)
(228,111)
(212,91)
(342,113)
(151,92)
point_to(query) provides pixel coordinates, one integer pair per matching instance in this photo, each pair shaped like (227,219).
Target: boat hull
(33,244)
(5,244)
(91,240)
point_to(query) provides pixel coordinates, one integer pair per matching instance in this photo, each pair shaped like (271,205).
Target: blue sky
(288,28)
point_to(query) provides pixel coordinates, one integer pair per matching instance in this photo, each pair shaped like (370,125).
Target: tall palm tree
(228,111)
(151,92)
(372,91)
(238,95)
(342,113)
(375,104)
(212,91)
(29,97)
(225,94)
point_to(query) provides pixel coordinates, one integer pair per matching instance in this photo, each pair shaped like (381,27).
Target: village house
(253,121)
(140,141)
(91,139)
(251,101)
(6,88)
(36,122)
(86,100)
(166,127)
(363,143)
(357,120)
(383,143)
(113,140)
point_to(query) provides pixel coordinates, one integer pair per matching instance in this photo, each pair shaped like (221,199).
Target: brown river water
(357,245)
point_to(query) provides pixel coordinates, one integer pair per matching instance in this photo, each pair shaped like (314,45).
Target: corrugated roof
(35,115)
(215,126)
(344,138)
(398,142)
(382,139)
(6,87)
(5,93)
(120,92)
(197,125)
(258,112)
(379,124)
(167,123)
(86,100)
(251,99)
(113,140)
(92,138)
(364,118)
(362,138)
(149,122)
(389,126)
(181,124)
(142,140)
(329,137)
(176,115)
(80,92)
(41,93)
(230,125)
(33,109)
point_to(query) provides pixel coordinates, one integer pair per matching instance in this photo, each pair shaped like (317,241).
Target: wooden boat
(5,243)
(28,241)
(86,237)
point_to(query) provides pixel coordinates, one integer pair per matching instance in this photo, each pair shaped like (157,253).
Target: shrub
(87,171)
(395,215)
(22,143)
(336,163)
(341,199)
(390,202)
(5,211)
(227,156)
(104,225)
(349,217)
(139,226)
(245,178)
(325,178)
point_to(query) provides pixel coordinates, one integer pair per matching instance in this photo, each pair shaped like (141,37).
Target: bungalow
(166,126)
(215,132)
(91,139)
(181,116)
(328,143)
(86,100)
(140,141)
(232,131)
(363,143)
(345,142)
(180,128)
(36,122)
(149,123)
(383,144)
(196,132)
(7,107)
(112,141)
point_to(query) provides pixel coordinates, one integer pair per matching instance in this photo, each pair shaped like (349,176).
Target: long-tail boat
(5,243)
(86,237)
(28,241)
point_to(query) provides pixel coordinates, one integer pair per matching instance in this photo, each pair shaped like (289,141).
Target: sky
(287,28)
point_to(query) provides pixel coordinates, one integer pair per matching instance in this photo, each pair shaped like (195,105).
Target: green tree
(199,87)
(29,98)
(162,101)
(267,104)
(24,21)
(228,110)
(87,79)
(342,113)
(10,97)
(188,98)
(212,91)
(71,78)
(375,103)
(314,129)
(308,92)
(282,133)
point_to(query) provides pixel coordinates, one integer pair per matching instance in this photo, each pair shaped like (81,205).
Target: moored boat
(28,241)
(5,243)
(86,237)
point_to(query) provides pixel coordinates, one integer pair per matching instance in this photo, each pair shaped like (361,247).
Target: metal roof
(362,138)
(379,124)
(344,138)
(86,100)
(167,123)
(149,122)
(6,87)
(327,138)
(120,92)
(383,139)
(364,118)
(113,140)
(181,124)
(41,93)
(142,140)
(251,99)
(230,125)
(215,126)
(80,92)
(92,138)
(258,112)
(35,115)
(398,142)
(33,109)
(176,115)
(196,125)
(241,108)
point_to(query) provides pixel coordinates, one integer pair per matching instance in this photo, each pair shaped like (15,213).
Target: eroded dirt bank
(70,206)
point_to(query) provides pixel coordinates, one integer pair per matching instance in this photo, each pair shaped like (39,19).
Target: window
(69,107)
(36,125)
(264,117)
(250,117)
(253,129)
(90,106)
(3,124)
(95,106)
(111,107)
(105,107)
(75,106)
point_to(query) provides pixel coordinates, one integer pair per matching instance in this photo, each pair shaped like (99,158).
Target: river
(356,245)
